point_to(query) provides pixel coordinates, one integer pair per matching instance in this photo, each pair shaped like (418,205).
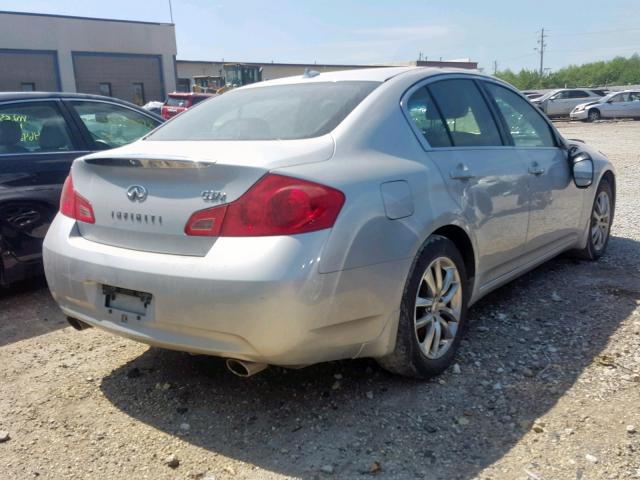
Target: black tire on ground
(591,251)
(593,115)
(407,358)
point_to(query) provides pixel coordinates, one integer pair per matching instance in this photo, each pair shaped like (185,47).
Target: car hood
(586,104)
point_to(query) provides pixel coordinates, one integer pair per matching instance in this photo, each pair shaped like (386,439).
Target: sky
(376,32)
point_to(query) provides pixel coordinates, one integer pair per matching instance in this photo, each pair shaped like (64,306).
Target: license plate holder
(125,303)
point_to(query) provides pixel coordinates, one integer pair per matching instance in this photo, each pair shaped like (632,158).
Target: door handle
(461,172)
(536,169)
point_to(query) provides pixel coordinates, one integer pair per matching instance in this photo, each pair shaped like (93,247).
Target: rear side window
(277,112)
(427,119)
(466,114)
(578,94)
(111,125)
(526,125)
(33,127)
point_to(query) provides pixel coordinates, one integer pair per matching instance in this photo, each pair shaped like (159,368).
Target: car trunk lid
(143,194)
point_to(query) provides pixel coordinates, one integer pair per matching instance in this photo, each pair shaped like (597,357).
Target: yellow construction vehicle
(232,75)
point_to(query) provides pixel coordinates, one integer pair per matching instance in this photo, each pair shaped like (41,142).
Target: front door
(555,202)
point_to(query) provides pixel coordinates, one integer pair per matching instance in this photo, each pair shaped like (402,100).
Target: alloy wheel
(601,220)
(438,307)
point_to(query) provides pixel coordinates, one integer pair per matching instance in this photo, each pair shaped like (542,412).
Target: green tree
(619,71)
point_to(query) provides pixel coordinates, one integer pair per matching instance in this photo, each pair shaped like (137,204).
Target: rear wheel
(593,115)
(600,223)
(432,314)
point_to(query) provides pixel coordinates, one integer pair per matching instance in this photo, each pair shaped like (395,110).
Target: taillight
(74,205)
(275,205)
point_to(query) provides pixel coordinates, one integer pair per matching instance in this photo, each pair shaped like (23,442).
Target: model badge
(137,193)
(213,196)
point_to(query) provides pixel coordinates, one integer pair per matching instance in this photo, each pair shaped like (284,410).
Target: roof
(365,74)
(12,96)
(73,17)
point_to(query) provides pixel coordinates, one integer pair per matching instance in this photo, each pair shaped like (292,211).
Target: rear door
(555,201)
(485,177)
(37,147)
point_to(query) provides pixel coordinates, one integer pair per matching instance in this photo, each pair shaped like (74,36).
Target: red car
(178,102)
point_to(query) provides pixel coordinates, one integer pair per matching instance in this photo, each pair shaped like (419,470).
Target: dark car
(40,136)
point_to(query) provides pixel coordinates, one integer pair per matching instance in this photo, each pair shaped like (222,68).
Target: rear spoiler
(147,163)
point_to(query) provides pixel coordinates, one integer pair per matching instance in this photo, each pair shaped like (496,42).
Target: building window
(28,87)
(138,94)
(105,89)
(183,85)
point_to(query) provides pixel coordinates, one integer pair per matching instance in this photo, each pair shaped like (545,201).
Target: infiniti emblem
(137,193)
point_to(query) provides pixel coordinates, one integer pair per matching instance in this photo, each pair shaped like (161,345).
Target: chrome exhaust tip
(244,369)
(78,324)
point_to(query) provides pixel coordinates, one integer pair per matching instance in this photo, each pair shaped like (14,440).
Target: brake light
(74,205)
(275,205)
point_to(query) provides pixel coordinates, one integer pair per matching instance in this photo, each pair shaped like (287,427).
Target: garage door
(136,78)
(28,70)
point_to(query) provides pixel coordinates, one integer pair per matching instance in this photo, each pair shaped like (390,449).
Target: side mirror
(583,169)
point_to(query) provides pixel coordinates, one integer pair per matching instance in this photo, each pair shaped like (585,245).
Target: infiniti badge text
(137,217)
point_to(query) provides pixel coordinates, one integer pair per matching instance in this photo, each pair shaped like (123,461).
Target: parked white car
(562,101)
(615,105)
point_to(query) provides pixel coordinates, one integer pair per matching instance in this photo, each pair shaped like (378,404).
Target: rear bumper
(259,299)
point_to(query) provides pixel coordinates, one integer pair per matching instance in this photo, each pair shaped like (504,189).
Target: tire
(597,245)
(416,353)
(593,115)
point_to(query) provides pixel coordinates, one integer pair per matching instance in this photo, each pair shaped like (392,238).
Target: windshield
(176,101)
(606,98)
(547,95)
(278,112)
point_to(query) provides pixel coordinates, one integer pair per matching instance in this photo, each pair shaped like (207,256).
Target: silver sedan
(624,104)
(322,217)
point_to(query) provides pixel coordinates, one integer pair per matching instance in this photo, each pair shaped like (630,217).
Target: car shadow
(28,310)
(527,343)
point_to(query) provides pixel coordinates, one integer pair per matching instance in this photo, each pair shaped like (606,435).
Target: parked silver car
(329,216)
(615,105)
(561,102)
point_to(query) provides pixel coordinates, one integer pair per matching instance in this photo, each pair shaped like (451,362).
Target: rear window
(176,101)
(279,112)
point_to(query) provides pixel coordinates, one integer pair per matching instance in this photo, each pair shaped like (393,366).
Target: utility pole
(541,46)
(495,67)
(170,11)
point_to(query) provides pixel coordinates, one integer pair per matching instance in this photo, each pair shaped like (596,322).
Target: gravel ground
(547,386)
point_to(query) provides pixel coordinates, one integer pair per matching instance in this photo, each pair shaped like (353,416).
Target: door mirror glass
(582,169)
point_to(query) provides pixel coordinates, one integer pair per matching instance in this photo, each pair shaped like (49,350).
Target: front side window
(32,127)
(526,125)
(634,97)
(277,112)
(466,114)
(111,125)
